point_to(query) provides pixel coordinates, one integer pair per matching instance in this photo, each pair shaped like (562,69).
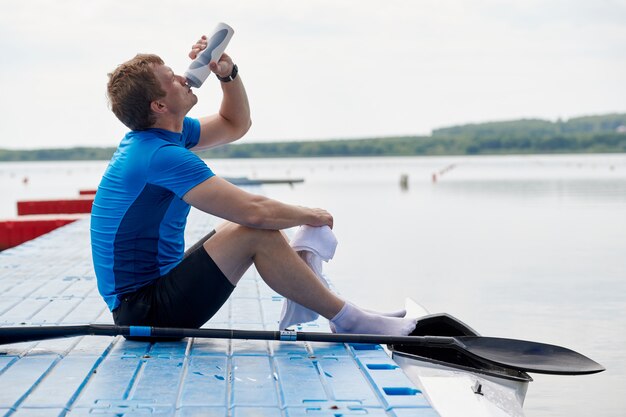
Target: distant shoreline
(589,134)
(209,157)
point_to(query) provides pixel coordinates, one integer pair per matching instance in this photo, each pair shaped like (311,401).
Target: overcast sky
(317,69)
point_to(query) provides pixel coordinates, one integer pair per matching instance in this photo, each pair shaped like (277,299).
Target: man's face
(179,98)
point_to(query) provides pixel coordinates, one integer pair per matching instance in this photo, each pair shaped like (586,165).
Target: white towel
(314,245)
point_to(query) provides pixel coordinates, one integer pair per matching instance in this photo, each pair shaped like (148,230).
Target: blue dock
(50,281)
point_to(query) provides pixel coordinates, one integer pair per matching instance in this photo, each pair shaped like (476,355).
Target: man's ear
(158,107)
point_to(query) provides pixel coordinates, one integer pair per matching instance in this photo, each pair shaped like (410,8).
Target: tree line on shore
(589,134)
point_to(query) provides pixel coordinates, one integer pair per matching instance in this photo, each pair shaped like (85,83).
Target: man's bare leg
(235,248)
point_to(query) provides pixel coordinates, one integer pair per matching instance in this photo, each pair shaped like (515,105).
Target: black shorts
(187,296)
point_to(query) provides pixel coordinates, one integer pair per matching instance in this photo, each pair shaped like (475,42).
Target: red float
(17,231)
(62,206)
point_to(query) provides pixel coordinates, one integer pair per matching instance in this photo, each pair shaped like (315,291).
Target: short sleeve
(177,169)
(191,132)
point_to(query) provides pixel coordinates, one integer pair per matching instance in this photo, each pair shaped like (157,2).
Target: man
(140,210)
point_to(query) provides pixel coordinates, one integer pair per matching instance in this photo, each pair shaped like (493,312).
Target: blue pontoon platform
(50,281)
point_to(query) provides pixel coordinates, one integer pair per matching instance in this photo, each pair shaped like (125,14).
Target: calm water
(522,247)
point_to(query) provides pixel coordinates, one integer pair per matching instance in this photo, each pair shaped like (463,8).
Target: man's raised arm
(233,119)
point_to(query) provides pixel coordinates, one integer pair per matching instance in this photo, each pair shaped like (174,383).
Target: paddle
(517,354)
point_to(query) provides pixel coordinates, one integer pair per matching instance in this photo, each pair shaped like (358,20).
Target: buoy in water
(404,182)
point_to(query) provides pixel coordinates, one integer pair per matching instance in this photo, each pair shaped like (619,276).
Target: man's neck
(171,124)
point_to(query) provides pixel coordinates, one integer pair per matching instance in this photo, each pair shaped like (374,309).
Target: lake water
(527,247)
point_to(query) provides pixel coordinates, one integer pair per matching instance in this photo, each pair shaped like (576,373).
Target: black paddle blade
(530,356)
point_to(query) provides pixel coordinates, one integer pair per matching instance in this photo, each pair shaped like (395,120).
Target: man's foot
(352,319)
(398,313)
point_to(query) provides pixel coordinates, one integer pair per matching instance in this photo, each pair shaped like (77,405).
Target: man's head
(132,88)
(144,92)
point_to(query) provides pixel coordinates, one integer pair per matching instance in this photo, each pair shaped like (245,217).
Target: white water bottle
(199,70)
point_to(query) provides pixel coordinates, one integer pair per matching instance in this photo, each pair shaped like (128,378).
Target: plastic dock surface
(50,281)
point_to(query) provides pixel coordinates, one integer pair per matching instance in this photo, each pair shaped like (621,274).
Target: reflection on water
(592,191)
(525,247)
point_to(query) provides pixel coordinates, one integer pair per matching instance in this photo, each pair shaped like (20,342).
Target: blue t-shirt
(138,217)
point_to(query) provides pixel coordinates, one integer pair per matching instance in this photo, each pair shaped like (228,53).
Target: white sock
(352,319)
(397,313)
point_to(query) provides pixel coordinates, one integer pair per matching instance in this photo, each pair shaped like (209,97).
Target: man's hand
(223,68)
(197,47)
(320,217)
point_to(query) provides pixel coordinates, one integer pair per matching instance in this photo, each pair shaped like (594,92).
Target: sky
(323,69)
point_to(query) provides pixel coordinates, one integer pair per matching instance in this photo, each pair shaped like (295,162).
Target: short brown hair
(131,88)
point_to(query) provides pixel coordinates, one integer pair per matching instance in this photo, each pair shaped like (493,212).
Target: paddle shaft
(34,333)
(292,336)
